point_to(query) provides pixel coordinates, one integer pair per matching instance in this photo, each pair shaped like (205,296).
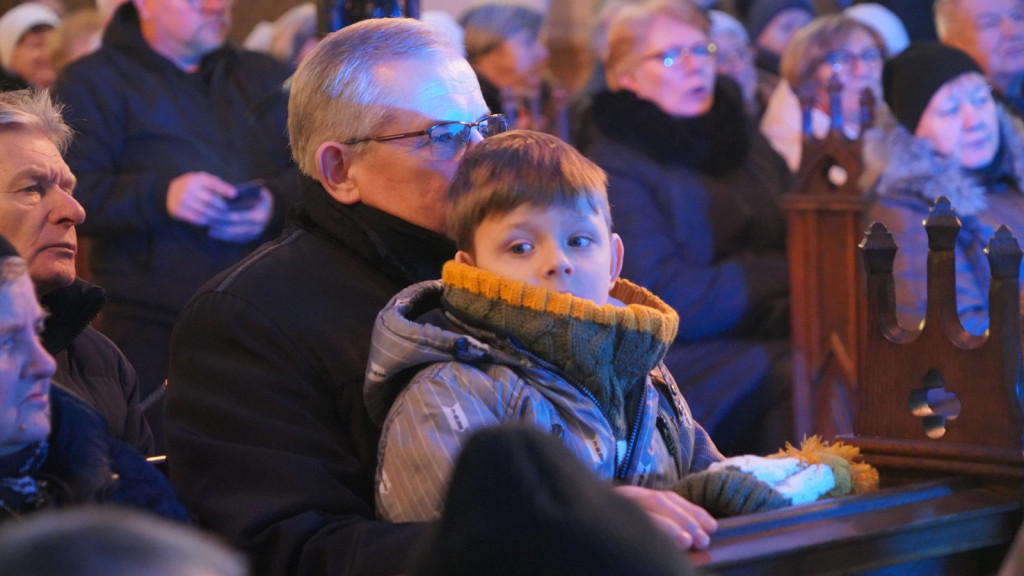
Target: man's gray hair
(36,111)
(335,95)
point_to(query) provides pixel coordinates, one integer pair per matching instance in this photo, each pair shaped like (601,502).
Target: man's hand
(198,197)
(687,524)
(244,225)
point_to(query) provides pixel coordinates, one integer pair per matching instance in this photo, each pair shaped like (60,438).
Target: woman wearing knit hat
(25,32)
(954,140)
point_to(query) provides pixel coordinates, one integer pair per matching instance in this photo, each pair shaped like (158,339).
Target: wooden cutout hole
(934,405)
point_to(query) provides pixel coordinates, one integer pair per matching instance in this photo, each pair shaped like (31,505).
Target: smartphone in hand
(247,194)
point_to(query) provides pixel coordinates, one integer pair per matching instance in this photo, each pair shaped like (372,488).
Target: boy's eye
(580,242)
(520,248)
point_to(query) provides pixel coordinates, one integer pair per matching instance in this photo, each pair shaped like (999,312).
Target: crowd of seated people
(270,233)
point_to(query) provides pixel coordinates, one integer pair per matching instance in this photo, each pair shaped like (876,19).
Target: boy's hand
(687,524)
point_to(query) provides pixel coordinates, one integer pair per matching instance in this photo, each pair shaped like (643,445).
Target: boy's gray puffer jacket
(452,379)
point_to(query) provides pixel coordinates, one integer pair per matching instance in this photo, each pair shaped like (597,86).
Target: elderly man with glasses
(269,439)
(169,121)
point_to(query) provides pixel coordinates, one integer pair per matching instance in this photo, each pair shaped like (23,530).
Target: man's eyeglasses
(447,138)
(674,55)
(840,59)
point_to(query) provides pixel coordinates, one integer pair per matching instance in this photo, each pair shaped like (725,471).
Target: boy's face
(565,249)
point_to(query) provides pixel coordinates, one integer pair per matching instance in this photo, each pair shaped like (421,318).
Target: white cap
(18,20)
(882,20)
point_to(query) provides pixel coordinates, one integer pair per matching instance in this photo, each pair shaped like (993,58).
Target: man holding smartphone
(169,121)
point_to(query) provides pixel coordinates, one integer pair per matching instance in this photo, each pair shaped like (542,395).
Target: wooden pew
(939,412)
(940,415)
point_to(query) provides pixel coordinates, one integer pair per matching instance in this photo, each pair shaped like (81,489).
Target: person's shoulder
(252,61)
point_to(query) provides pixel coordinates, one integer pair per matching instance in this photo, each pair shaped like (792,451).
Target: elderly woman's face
(961,121)
(674,69)
(858,65)
(25,368)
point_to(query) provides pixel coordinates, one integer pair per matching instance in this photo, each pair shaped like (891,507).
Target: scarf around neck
(20,490)
(715,143)
(605,350)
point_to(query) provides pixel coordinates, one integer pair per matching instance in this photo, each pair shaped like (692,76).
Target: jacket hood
(403,342)
(895,162)
(477,317)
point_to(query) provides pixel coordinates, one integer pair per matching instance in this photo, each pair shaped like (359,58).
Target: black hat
(520,503)
(910,79)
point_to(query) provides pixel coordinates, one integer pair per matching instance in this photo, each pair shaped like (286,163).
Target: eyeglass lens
(456,134)
(845,58)
(674,55)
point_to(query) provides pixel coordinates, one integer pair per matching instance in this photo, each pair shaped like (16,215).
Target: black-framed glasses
(840,59)
(674,55)
(447,138)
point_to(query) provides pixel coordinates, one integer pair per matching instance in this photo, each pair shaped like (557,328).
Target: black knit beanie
(520,504)
(910,79)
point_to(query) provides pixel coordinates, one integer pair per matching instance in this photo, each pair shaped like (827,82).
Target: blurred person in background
(505,47)
(26,32)
(696,192)
(771,24)
(833,45)
(735,58)
(992,33)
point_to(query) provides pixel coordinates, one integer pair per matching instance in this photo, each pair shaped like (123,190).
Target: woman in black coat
(695,194)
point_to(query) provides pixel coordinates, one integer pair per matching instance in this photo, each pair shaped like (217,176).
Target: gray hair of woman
(488,26)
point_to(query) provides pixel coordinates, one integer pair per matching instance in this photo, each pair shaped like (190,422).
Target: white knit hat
(18,20)
(888,25)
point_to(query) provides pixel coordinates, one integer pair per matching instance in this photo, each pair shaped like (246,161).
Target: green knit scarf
(606,349)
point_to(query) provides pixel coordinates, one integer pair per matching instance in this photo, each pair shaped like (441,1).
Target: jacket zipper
(620,471)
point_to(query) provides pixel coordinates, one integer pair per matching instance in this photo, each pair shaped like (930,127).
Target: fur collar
(715,143)
(896,162)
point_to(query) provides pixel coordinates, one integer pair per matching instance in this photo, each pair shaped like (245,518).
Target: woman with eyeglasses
(695,192)
(953,140)
(832,46)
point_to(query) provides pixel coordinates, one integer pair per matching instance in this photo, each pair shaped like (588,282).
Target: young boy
(529,324)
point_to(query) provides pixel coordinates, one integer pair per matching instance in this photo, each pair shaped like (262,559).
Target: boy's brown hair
(515,168)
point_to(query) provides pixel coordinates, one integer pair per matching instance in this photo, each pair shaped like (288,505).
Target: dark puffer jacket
(140,122)
(91,366)
(268,436)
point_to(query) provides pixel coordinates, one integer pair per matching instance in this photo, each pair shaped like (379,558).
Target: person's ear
(463,257)
(333,171)
(618,251)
